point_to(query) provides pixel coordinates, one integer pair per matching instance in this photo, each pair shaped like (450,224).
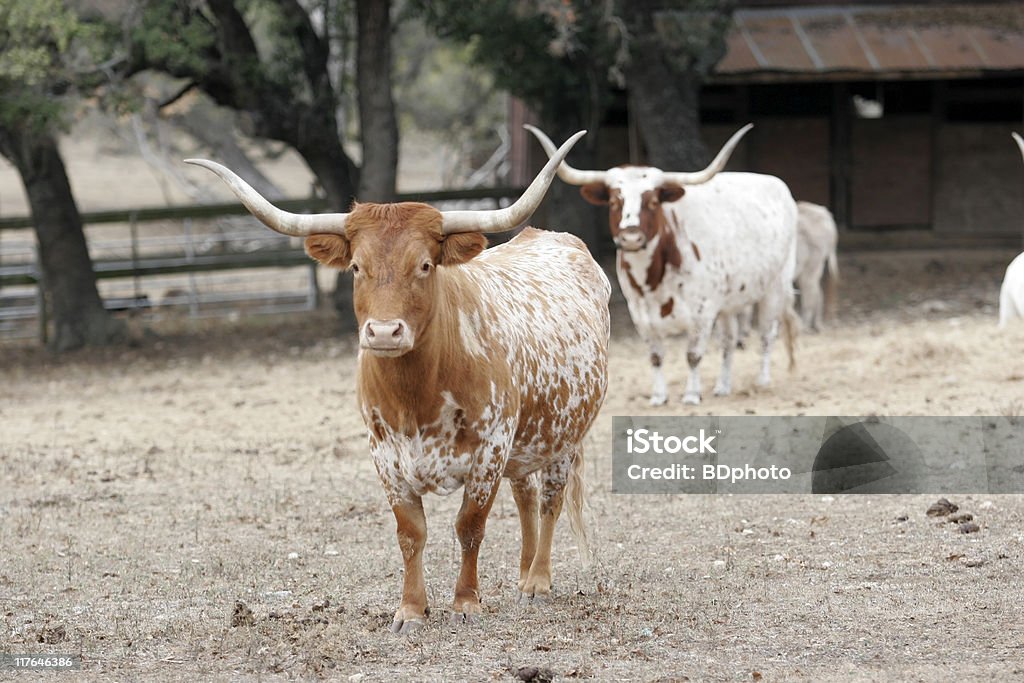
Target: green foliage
(693,38)
(45,51)
(168,36)
(560,56)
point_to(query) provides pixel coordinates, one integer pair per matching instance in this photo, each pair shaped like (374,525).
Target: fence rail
(203,211)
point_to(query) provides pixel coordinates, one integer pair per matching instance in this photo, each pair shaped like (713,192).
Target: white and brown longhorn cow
(816,241)
(684,261)
(473,365)
(1011,293)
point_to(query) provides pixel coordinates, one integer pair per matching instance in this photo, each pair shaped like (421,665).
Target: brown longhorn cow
(473,365)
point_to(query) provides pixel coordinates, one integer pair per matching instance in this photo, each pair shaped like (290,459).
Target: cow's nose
(631,239)
(384,328)
(386,335)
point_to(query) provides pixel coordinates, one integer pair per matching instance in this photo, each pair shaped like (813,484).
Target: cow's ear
(595,193)
(461,247)
(330,250)
(670,192)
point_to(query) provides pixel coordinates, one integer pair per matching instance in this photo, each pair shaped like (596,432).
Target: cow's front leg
(477,500)
(659,388)
(412,537)
(694,353)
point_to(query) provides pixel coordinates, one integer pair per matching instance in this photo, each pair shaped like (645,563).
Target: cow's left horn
(294,224)
(699,177)
(1020,143)
(500,220)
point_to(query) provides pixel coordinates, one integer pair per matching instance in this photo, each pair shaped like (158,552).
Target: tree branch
(184,90)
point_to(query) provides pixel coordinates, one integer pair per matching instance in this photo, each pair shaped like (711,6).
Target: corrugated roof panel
(951,48)
(775,38)
(835,39)
(738,56)
(896,50)
(876,40)
(1005,49)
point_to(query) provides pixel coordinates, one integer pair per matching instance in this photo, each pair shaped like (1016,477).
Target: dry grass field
(202,506)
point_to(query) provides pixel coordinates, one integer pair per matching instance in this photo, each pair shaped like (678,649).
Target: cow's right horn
(699,177)
(500,220)
(567,173)
(1020,143)
(294,224)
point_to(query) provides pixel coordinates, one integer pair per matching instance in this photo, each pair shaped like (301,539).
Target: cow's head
(634,194)
(397,252)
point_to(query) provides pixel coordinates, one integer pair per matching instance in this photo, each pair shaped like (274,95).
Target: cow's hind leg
(729,325)
(525,491)
(412,537)
(659,387)
(555,476)
(769,331)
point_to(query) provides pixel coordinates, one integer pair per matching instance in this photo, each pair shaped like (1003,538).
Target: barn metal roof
(895,41)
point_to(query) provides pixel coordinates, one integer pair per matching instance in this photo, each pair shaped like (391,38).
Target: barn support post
(839,155)
(938,114)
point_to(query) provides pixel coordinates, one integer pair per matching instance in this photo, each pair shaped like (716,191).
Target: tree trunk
(667,110)
(79,318)
(377,121)
(676,44)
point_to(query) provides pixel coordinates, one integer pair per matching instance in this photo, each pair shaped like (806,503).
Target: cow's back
(743,226)
(545,311)
(816,236)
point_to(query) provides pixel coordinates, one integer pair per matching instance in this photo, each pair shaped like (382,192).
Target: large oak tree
(44,52)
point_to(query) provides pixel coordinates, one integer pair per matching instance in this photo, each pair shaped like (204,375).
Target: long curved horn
(500,220)
(294,224)
(567,173)
(1020,143)
(699,177)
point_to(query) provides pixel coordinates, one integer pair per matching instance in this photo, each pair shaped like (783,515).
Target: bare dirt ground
(145,493)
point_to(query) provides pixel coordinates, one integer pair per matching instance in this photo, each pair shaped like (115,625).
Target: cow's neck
(407,390)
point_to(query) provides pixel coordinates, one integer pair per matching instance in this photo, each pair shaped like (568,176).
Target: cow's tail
(831,284)
(575,503)
(790,331)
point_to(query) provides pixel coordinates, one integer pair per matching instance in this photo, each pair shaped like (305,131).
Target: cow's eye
(426,266)
(355,268)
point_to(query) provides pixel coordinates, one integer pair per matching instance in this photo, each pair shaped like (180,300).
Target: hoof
(460,618)
(469,613)
(406,626)
(659,400)
(537,598)
(691,399)
(722,390)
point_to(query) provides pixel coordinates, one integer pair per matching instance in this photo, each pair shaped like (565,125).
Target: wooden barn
(897,116)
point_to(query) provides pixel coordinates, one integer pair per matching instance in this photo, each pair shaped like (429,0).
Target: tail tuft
(574,497)
(831,285)
(791,330)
